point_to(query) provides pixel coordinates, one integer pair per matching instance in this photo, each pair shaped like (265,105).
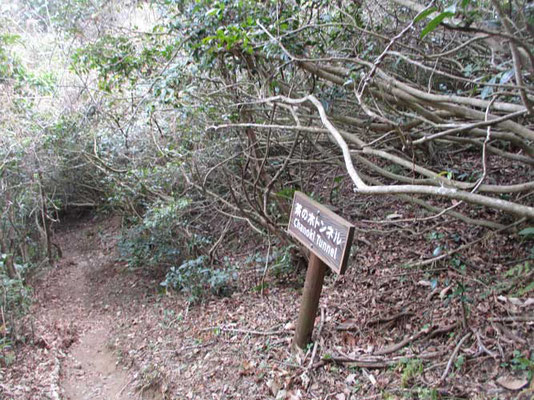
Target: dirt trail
(74,294)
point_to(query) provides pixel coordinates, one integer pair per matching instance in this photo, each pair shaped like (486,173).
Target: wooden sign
(329,237)
(322,231)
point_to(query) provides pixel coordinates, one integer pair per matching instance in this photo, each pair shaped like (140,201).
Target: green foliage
(196,278)
(458,7)
(142,249)
(15,300)
(280,261)
(459,362)
(410,369)
(286,193)
(69,15)
(434,235)
(155,241)
(433,24)
(519,363)
(159,241)
(527,232)
(425,14)
(424,393)
(116,59)
(460,292)
(518,270)
(523,364)
(162,213)
(515,281)
(8,63)
(24,80)
(148,245)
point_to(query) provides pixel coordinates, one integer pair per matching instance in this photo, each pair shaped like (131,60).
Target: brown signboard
(322,231)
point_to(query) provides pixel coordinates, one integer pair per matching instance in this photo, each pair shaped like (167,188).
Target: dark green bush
(196,278)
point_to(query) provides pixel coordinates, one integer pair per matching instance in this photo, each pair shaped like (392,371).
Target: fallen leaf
(282,395)
(444,292)
(371,377)
(247,368)
(274,386)
(290,326)
(425,283)
(348,325)
(305,379)
(350,379)
(511,383)
(294,395)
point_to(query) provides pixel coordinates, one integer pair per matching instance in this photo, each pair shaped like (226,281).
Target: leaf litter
(452,329)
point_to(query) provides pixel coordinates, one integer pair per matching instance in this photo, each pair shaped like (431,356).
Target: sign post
(329,237)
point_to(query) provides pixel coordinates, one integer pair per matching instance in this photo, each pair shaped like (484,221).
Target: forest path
(76,294)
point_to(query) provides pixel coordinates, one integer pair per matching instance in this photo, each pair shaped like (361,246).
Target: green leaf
(425,14)
(211,12)
(527,289)
(435,22)
(507,76)
(339,178)
(488,90)
(286,192)
(527,231)
(208,39)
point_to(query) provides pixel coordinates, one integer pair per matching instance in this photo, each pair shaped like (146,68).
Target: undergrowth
(157,239)
(160,241)
(196,278)
(15,300)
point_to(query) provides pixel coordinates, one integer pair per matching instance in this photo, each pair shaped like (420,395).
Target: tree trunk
(46,224)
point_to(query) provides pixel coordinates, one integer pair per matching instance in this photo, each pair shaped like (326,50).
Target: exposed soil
(72,357)
(89,369)
(384,331)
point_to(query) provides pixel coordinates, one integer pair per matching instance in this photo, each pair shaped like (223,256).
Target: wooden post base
(310,301)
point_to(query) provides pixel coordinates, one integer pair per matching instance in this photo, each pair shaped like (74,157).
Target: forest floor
(100,331)
(70,354)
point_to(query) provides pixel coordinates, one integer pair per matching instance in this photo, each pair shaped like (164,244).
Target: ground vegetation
(196,121)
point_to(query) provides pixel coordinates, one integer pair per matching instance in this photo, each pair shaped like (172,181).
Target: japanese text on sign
(321,230)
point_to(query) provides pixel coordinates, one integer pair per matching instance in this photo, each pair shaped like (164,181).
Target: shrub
(158,239)
(15,300)
(196,278)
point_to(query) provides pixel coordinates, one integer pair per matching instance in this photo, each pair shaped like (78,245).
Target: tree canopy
(190,116)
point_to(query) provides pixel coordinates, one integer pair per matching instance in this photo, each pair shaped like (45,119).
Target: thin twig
(453,357)
(316,344)
(262,283)
(402,343)
(243,331)
(519,318)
